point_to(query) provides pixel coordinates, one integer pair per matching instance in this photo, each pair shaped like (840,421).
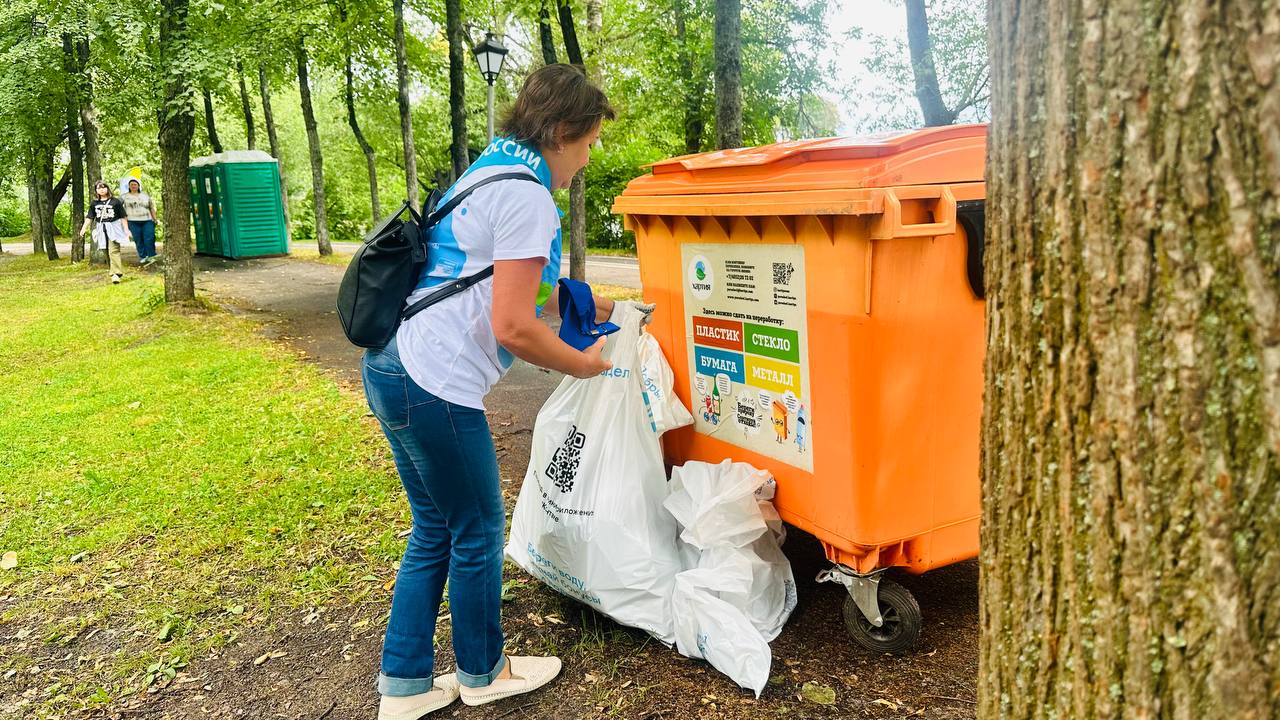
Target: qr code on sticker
(782,273)
(563,467)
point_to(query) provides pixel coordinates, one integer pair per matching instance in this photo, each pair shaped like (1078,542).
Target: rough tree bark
(406,114)
(457,87)
(1131,431)
(89,126)
(693,80)
(269,121)
(728,48)
(926,74)
(313,144)
(546,39)
(74,150)
(365,147)
(177,124)
(210,127)
(246,107)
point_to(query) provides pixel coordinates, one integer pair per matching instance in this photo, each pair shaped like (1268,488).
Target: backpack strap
(453,287)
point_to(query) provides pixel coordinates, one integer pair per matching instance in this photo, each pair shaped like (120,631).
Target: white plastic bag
(658,381)
(740,591)
(709,627)
(589,521)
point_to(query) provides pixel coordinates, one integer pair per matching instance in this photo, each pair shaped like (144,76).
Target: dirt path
(610,671)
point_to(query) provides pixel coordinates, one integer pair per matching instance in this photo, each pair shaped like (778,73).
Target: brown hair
(103,183)
(556,104)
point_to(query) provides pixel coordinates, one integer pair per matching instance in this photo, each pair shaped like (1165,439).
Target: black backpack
(386,268)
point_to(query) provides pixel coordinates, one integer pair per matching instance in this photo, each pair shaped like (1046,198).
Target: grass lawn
(167,478)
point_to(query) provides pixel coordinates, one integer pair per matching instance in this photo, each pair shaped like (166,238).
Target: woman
(140,210)
(109,229)
(428,385)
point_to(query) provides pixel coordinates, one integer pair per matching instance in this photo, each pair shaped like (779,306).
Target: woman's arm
(515,290)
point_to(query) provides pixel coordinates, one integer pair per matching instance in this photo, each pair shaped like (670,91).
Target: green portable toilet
(239,214)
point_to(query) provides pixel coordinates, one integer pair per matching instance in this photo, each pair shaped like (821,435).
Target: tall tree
(546,39)
(177,124)
(578,186)
(74,151)
(89,129)
(313,143)
(365,147)
(273,139)
(459,158)
(210,127)
(1131,429)
(246,107)
(926,75)
(406,111)
(728,44)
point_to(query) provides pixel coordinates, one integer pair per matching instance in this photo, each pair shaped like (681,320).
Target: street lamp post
(490,54)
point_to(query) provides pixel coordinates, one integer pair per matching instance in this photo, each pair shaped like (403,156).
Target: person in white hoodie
(140,209)
(109,229)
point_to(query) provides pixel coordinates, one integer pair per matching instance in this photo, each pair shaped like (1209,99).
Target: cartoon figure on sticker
(802,426)
(710,413)
(780,420)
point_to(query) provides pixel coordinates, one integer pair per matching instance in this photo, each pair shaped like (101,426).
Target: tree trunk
(268,120)
(177,125)
(364,144)
(546,39)
(89,126)
(74,150)
(578,186)
(246,107)
(1131,428)
(209,126)
(406,115)
(457,87)
(33,205)
(571,47)
(44,199)
(694,82)
(313,143)
(926,75)
(728,46)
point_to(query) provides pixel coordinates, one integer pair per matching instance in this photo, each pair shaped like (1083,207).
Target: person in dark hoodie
(106,213)
(140,210)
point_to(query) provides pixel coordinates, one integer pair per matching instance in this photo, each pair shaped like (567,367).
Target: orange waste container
(821,304)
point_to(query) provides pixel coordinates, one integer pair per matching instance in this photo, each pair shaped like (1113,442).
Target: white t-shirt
(449,349)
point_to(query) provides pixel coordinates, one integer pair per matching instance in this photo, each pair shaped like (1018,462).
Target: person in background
(109,226)
(140,210)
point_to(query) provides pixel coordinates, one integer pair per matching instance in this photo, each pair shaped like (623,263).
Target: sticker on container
(747,332)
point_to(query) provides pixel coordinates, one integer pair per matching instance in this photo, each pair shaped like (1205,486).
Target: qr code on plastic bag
(563,467)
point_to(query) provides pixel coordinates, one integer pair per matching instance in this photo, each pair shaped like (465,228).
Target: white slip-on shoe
(413,707)
(527,673)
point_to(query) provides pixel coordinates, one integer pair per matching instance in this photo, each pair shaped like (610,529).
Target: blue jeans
(444,454)
(144,237)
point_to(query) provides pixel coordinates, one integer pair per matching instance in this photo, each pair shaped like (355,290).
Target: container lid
(234,156)
(950,154)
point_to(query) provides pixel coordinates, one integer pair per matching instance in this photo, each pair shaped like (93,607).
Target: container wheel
(901,626)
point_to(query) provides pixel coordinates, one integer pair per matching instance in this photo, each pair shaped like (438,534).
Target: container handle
(890,225)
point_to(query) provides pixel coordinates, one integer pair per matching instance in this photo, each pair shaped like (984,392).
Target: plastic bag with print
(589,522)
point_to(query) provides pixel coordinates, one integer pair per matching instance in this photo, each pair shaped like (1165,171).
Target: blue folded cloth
(578,325)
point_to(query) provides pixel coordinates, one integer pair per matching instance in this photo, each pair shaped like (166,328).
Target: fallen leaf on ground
(135,405)
(816,692)
(79,556)
(554,619)
(9,561)
(236,609)
(886,703)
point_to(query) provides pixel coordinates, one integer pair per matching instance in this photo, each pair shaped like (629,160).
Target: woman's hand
(592,363)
